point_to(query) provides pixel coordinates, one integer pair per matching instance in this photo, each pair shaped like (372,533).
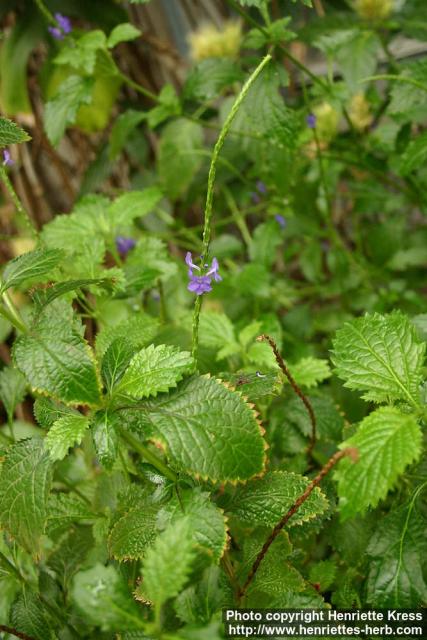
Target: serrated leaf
(123,126)
(131,205)
(380,355)
(46,411)
(253,386)
(153,370)
(209,77)
(115,361)
(414,155)
(57,361)
(387,440)
(43,297)
(215,330)
(25,480)
(61,111)
(209,431)
(67,559)
(12,389)
(30,266)
(309,372)
(122,33)
(29,616)
(397,551)
(64,434)
(82,56)
(329,421)
(198,602)
(133,532)
(10,133)
(101,595)
(105,437)
(137,330)
(167,563)
(63,510)
(178,161)
(323,574)
(207,526)
(265,501)
(357,56)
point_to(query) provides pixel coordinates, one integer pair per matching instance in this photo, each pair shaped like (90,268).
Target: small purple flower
(7,160)
(201,283)
(311,121)
(124,245)
(260,185)
(63,22)
(280,220)
(63,27)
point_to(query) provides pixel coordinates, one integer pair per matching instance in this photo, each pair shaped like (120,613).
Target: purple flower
(200,284)
(63,23)
(124,245)
(260,185)
(7,160)
(281,220)
(261,188)
(63,27)
(311,121)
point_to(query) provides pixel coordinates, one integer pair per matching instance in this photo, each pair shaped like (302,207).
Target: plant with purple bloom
(124,245)
(281,220)
(7,160)
(63,27)
(311,121)
(200,284)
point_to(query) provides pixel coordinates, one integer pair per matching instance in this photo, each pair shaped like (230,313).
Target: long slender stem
(211,183)
(15,632)
(18,204)
(350,452)
(149,456)
(295,387)
(398,78)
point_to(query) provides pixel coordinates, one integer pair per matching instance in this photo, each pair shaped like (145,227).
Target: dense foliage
(197,346)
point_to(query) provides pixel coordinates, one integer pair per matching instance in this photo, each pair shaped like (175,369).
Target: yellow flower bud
(359,112)
(327,119)
(210,42)
(373,9)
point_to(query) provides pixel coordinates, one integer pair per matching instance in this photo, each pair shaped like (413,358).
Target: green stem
(11,313)
(45,11)
(149,456)
(18,204)
(211,183)
(399,78)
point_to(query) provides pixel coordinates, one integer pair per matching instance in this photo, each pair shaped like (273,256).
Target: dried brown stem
(15,632)
(295,387)
(350,452)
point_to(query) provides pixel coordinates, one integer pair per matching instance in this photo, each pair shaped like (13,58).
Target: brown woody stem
(15,632)
(295,387)
(350,452)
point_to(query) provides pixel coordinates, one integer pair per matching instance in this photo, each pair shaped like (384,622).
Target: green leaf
(12,389)
(10,133)
(123,126)
(168,106)
(82,56)
(215,330)
(309,372)
(105,437)
(153,370)
(167,563)
(46,411)
(67,559)
(397,552)
(209,430)
(207,526)
(208,78)
(357,56)
(265,241)
(64,509)
(64,434)
(329,421)
(198,602)
(323,574)
(61,111)
(265,501)
(133,532)
(25,480)
(131,205)
(122,33)
(57,361)
(32,266)
(115,361)
(149,261)
(44,297)
(253,386)
(380,355)
(415,155)
(387,441)
(28,616)
(178,161)
(138,330)
(102,597)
